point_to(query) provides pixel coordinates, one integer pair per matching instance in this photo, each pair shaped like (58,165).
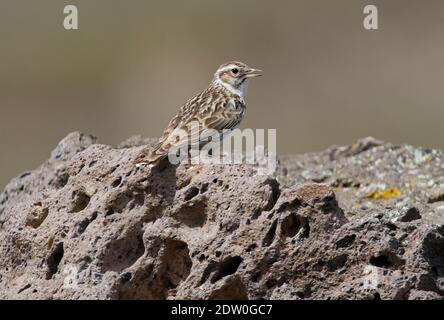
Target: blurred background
(132,63)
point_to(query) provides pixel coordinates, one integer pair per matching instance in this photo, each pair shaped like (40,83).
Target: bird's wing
(195,116)
(219,122)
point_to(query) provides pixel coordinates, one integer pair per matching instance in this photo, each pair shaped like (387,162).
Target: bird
(220,107)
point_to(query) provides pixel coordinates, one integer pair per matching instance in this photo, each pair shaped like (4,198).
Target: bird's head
(234,76)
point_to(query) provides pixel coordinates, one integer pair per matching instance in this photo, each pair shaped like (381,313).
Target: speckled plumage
(220,107)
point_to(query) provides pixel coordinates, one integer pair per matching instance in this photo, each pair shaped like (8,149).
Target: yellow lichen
(386,194)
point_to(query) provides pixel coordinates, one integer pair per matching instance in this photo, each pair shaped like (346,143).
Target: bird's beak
(251,73)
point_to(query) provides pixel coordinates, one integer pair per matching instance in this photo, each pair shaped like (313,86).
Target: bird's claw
(140,164)
(143,164)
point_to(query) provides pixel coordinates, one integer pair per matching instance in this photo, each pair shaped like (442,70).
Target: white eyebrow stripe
(231,66)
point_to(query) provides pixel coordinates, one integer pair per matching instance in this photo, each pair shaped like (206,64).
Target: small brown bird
(220,107)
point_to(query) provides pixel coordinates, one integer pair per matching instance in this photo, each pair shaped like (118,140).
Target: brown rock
(88,224)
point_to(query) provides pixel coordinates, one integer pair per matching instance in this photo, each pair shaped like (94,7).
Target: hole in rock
(207,272)
(291,225)
(126,277)
(53,260)
(82,225)
(275,194)
(92,163)
(269,237)
(127,243)
(227,267)
(193,214)
(337,262)
(176,263)
(24,288)
(386,260)
(438,198)
(191,193)
(346,241)
(61,180)
(116,182)
(80,201)
(411,214)
(256,213)
(381,261)
(204,188)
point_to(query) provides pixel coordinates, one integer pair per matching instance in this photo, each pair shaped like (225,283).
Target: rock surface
(357,222)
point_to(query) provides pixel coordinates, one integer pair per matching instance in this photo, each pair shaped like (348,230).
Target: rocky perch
(357,222)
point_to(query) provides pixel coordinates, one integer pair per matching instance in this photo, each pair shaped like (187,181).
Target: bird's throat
(240,90)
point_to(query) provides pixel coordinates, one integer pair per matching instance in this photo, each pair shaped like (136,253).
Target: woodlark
(220,107)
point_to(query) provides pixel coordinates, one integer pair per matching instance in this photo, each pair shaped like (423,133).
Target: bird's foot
(144,164)
(141,164)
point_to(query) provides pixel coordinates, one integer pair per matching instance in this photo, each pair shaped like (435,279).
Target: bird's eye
(235,71)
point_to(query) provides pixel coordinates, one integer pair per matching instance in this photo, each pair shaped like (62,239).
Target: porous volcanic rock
(354,222)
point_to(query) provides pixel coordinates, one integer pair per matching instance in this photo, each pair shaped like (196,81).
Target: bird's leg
(141,157)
